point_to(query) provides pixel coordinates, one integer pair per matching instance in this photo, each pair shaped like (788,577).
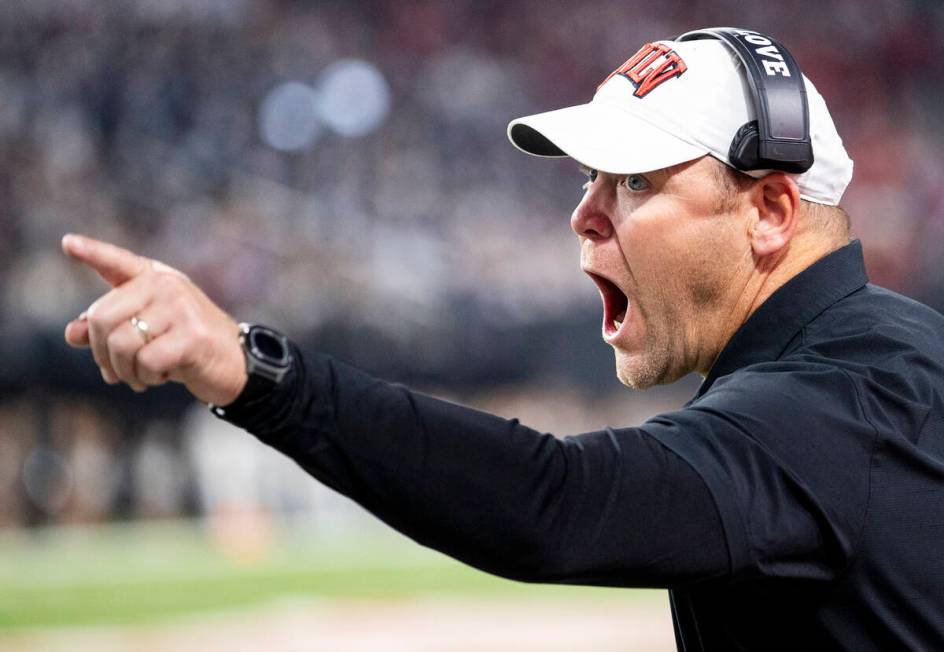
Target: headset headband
(780,137)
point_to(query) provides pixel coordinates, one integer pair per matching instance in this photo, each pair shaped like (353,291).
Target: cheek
(657,253)
(676,262)
(710,260)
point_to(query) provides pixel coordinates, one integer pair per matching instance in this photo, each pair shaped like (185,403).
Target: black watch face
(268,345)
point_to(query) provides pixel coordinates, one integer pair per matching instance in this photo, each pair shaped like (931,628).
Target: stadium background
(339,169)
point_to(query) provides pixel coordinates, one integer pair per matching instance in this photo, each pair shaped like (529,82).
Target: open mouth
(615,304)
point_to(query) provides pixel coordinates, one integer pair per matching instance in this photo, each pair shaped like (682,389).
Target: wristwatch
(267,352)
(268,359)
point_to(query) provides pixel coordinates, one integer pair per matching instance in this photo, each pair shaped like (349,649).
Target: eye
(590,174)
(635,182)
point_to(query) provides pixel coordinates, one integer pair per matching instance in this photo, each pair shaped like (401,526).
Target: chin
(642,371)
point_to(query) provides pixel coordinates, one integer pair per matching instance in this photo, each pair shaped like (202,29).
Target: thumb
(114,264)
(77,333)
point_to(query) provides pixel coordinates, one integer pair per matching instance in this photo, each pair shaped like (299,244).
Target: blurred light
(47,478)
(288,118)
(355,97)
(244,534)
(470,85)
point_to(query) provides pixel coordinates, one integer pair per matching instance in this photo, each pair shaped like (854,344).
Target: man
(796,503)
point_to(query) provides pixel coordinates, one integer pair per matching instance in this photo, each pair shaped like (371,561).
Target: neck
(758,280)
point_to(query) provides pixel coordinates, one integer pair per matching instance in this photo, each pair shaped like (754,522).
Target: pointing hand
(155,325)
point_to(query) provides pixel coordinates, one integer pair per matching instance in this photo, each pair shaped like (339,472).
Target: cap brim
(603,137)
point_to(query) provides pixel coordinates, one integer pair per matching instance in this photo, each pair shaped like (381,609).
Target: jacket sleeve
(613,507)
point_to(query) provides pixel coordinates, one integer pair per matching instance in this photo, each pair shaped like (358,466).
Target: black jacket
(796,503)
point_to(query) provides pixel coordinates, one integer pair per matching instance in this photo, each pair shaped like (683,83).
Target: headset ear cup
(744,153)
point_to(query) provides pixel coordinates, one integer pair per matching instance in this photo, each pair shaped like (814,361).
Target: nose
(589,219)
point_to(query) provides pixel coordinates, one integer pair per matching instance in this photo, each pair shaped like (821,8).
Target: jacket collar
(767,332)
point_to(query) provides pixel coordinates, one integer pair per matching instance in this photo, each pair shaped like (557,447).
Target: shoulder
(891,347)
(877,323)
(772,397)
(786,453)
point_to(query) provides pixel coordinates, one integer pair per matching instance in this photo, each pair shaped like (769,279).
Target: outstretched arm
(612,507)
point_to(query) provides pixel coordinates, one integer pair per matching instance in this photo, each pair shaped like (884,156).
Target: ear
(776,200)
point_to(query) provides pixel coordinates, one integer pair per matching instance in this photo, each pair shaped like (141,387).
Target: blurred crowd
(339,169)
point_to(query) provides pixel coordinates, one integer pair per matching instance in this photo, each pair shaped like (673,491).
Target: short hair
(821,218)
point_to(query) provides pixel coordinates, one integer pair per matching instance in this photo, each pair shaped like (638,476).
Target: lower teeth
(618,324)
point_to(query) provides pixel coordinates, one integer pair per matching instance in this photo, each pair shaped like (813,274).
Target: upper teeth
(618,324)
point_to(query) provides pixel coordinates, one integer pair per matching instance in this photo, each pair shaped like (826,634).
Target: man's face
(665,253)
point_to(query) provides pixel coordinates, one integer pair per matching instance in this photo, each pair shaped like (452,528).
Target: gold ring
(142,327)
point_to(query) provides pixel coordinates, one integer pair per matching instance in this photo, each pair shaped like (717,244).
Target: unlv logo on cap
(653,64)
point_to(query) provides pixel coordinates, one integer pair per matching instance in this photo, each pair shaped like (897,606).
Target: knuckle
(101,318)
(101,310)
(150,377)
(144,370)
(166,280)
(171,283)
(164,268)
(180,302)
(101,360)
(182,354)
(147,361)
(183,347)
(117,342)
(95,319)
(170,356)
(99,351)
(201,335)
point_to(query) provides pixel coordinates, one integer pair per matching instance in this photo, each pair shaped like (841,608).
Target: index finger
(114,264)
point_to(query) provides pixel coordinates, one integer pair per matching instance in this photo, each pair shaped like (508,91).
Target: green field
(158,572)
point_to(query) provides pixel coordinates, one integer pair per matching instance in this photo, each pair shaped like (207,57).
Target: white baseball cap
(674,102)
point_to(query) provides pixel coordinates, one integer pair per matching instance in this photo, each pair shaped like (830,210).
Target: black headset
(779,139)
